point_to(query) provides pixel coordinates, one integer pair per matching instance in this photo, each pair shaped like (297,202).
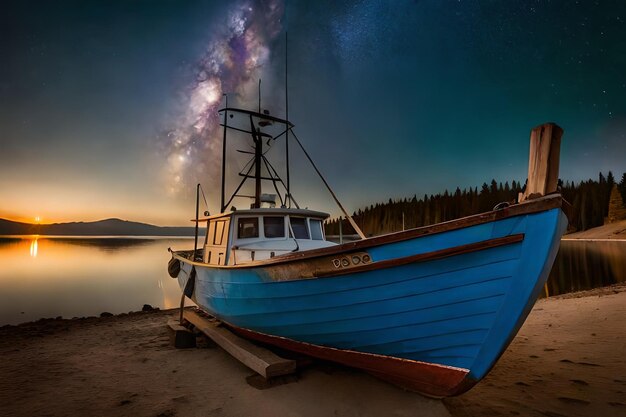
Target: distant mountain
(108,227)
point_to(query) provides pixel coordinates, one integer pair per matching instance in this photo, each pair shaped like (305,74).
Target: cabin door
(216,242)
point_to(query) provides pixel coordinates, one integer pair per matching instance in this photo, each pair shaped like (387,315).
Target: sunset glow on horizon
(108,109)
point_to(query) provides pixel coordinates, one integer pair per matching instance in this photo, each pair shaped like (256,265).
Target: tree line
(589,200)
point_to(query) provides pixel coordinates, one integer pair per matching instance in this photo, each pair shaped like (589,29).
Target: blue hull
(459,311)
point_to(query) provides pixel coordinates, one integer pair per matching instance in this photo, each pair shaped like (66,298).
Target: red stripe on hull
(426,378)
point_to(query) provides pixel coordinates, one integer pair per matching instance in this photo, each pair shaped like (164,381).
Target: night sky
(107,108)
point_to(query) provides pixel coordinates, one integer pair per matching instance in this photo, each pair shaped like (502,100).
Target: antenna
(287,118)
(259,95)
(222,206)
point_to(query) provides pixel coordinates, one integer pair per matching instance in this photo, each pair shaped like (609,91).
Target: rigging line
(269,148)
(293,235)
(282,133)
(247,163)
(350,219)
(204,197)
(239,187)
(273,180)
(283,183)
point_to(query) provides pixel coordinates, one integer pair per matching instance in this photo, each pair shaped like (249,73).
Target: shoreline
(567,360)
(609,231)
(583,239)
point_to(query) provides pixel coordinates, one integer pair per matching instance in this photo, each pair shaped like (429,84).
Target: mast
(287,118)
(257,138)
(257,171)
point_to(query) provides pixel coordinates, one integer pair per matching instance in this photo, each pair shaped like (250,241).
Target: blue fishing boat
(430,309)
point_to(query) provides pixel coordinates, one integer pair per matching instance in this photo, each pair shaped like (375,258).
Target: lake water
(585,264)
(75,277)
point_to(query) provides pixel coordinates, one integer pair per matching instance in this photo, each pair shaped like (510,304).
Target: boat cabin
(245,236)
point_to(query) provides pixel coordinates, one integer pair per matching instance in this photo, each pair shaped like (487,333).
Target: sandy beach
(616,230)
(567,360)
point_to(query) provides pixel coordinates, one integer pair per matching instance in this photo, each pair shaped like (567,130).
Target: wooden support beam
(543,161)
(262,361)
(181,336)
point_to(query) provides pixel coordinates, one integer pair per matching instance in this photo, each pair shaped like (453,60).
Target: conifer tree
(622,187)
(589,200)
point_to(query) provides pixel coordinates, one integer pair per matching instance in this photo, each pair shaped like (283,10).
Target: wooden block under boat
(263,361)
(181,336)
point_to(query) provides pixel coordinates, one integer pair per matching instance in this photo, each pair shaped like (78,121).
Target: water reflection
(106,244)
(33,247)
(582,265)
(49,277)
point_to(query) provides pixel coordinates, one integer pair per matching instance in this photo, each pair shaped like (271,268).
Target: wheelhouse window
(274,226)
(316,229)
(248,227)
(300,229)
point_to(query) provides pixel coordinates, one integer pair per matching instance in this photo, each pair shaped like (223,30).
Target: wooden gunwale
(528,207)
(428,256)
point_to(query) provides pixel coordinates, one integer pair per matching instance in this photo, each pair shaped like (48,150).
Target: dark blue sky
(391,98)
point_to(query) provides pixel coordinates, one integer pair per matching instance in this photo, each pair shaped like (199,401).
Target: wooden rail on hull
(260,360)
(429,256)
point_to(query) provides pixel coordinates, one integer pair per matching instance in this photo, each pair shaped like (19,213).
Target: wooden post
(543,161)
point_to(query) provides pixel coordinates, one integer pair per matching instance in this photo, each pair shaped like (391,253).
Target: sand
(568,360)
(610,231)
(126,366)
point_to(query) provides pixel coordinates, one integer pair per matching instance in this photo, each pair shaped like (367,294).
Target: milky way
(232,64)
(391,98)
